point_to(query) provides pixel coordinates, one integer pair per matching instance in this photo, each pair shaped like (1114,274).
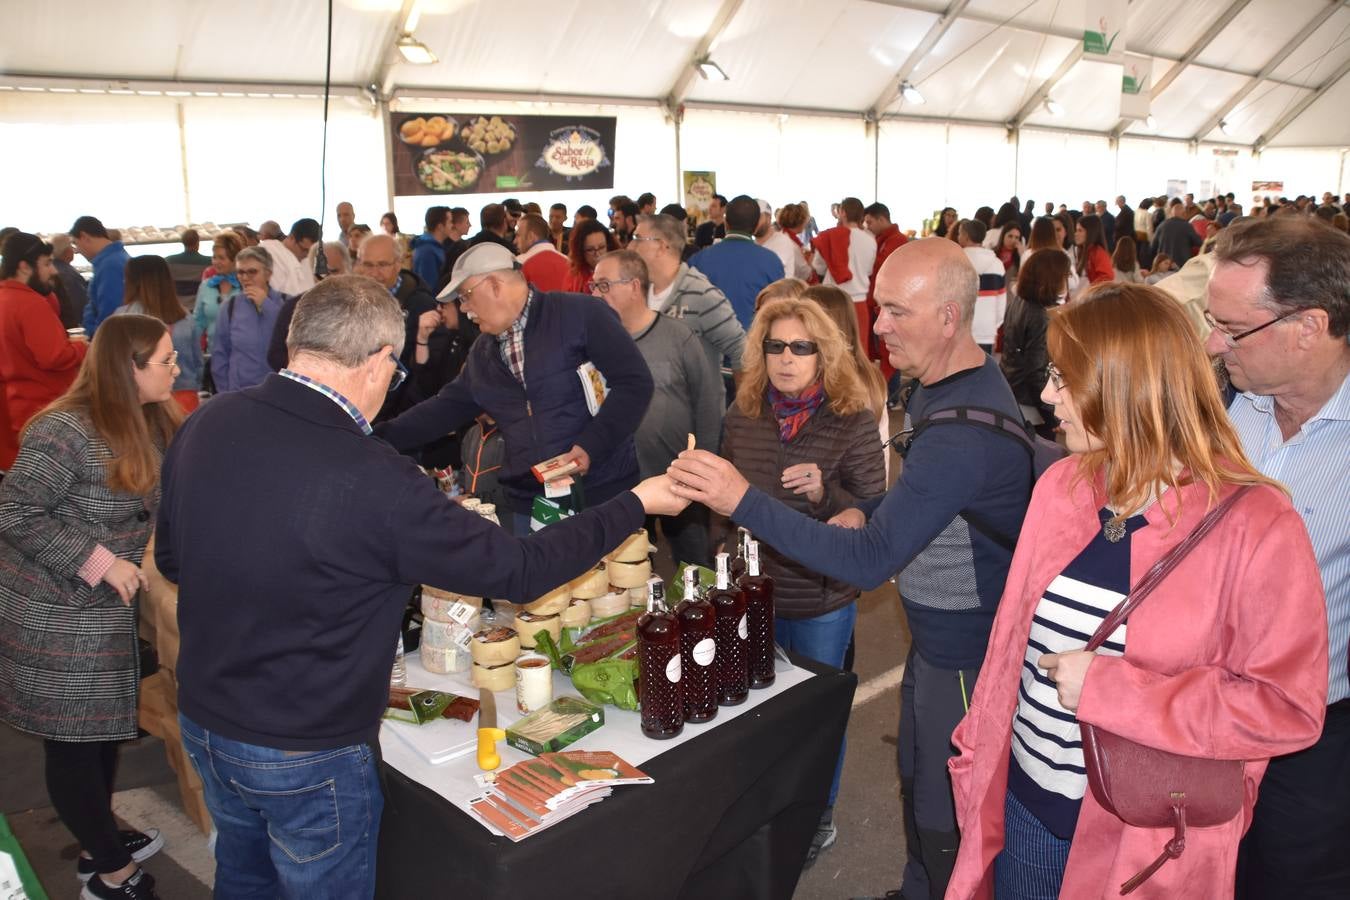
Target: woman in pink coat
(1225,660)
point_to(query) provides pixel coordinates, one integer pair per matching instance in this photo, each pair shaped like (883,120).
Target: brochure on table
(621,733)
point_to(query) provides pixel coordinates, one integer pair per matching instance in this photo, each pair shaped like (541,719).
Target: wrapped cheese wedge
(594,583)
(495,678)
(552,603)
(494,646)
(528,625)
(611,604)
(436,603)
(577,614)
(634,548)
(629,575)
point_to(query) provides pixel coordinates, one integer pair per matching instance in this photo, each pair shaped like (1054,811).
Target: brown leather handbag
(1150,788)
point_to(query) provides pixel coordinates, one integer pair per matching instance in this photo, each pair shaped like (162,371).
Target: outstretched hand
(657,497)
(708,479)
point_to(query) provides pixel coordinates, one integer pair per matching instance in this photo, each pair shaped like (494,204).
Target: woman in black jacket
(1042,284)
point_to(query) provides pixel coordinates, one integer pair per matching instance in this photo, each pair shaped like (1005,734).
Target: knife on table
(488,732)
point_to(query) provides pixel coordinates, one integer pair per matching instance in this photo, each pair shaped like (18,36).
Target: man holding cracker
(529,371)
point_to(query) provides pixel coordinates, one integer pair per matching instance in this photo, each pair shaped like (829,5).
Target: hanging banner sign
(462,153)
(1104,30)
(699,188)
(1136,87)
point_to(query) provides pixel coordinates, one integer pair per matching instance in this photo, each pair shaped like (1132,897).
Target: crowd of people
(1180,354)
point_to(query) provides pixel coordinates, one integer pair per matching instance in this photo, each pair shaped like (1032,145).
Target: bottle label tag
(673,669)
(743,629)
(705,651)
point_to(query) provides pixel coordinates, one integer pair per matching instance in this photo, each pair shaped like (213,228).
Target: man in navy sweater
(295,539)
(523,372)
(946,527)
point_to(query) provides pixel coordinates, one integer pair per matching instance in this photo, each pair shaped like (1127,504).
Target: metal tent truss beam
(383,76)
(1302,106)
(1215,29)
(152,87)
(925,46)
(1284,53)
(680,89)
(1046,87)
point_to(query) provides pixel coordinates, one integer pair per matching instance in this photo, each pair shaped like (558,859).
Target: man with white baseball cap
(528,372)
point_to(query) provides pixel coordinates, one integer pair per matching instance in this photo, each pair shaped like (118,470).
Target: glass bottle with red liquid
(661,696)
(758,591)
(738,561)
(733,678)
(698,651)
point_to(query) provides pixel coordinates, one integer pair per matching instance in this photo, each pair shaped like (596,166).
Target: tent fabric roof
(1275,71)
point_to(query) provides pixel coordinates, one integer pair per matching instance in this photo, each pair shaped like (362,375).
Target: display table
(731,814)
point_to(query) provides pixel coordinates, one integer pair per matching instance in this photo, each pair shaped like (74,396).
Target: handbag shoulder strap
(1161,569)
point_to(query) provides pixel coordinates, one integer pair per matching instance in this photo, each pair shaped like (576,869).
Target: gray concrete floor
(866,860)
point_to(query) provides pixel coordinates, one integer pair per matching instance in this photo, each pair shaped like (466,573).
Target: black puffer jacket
(849,453)
(1024,351)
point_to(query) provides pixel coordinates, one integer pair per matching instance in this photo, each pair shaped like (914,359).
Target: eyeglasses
(604,284)
(799,348)
(170,362)
(465,292)
(639,238)
(1232,339)
(1054,376)
(369,264)
(400,373)
(249,272)
(594,251)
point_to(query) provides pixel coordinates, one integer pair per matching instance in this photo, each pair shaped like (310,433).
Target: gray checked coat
(69,667)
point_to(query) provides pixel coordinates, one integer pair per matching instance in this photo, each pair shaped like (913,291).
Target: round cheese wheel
(577,614)
(529,624)
(594,583)
(609,605)
(634,548)
(495,678)
(443,660)
(495,646)
(637,596)
(552,603)
(436,603)
(630,575)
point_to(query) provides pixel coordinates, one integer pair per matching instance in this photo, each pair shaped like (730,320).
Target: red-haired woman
(1226,660)
(76,511)
(590,240)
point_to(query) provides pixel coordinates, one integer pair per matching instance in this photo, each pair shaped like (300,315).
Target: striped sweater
(695,301)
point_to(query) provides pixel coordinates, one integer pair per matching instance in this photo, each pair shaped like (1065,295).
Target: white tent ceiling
(1274,71)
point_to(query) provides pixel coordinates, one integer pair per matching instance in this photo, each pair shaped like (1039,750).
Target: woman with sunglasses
(803,430)
(1226,660)
(150,292)
(590,240)
(76,511)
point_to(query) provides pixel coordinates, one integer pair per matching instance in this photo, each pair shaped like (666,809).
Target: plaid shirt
(348,406)
(512,342)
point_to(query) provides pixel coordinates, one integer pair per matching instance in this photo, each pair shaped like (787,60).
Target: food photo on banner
(451,153)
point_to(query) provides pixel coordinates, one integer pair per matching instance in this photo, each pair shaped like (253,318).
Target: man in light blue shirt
(109,261)
(1279,307)
(737,265)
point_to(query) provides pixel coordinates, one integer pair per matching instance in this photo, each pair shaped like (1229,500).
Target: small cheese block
(594,583)
(609,604)
(529,624)
(630,575)
(552,603)
(495,678)
(577,614)
(637,597)
(634,548)
(495,646)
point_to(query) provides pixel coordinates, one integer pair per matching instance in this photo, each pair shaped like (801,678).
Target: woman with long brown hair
(590,240)
(839,307)
(1041,286)
(76,512)
(150,292)
(1092,261)
(1226,660)
(803,429)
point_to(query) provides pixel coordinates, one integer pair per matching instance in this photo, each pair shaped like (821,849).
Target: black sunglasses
(799,348)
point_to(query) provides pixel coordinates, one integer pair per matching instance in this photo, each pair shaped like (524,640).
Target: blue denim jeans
(1031,864)
(289,824)
(824,639)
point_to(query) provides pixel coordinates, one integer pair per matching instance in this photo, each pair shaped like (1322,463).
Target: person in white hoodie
(992,301)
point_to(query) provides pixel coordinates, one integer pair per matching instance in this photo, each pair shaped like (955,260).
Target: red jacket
(888,242)
(1226,660)
(545,268)
(38,360)
(832,245)
(1099,267)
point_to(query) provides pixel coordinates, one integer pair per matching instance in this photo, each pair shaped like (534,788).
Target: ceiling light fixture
(1053,107)
(414,51)
(911,94)
(1223,126)
(710,70)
